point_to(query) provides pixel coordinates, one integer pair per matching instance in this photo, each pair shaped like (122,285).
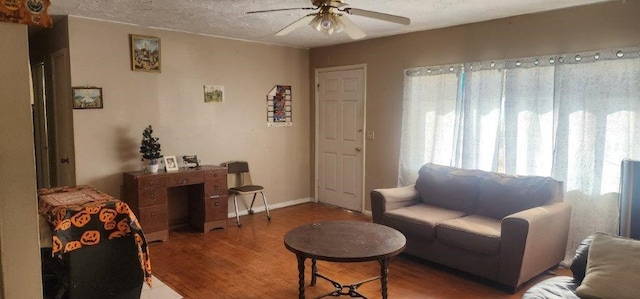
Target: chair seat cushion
(559,287)
(246,189)
(475,233)
(419,220)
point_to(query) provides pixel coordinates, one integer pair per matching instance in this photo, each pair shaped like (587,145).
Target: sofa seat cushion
(419,220)
(475,233)
(559,287)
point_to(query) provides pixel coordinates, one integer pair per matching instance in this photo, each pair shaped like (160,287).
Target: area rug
(159,291)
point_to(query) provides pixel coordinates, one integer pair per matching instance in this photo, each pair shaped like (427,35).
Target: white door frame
(317,125)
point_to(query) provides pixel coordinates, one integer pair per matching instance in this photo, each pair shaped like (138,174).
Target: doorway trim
(362,67)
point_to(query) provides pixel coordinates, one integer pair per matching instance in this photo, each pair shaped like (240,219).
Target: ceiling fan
(331,18)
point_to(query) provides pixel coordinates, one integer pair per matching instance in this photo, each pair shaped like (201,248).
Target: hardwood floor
(252,262)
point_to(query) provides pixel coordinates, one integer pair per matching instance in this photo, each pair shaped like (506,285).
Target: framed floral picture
(87,98)
(145,53)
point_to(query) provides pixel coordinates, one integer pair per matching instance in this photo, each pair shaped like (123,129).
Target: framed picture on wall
(145,53)
(87,98)
(170,163)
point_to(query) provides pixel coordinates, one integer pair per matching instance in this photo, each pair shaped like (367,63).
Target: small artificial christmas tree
(149,146)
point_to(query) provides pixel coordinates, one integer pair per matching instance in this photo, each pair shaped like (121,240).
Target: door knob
(358,149)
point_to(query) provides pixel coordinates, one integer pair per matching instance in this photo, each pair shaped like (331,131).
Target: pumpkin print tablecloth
(83,216)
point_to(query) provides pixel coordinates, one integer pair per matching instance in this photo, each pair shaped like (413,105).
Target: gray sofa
(501,227)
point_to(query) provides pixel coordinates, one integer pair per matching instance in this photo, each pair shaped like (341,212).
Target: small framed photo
(145,53)
(87,98)
(213,93)
(170,163)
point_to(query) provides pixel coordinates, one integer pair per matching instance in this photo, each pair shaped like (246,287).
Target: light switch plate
(370,135)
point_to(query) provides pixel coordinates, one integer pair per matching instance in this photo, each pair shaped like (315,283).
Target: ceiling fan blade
(279,9)
(378,15)
(297,24)
(351,29)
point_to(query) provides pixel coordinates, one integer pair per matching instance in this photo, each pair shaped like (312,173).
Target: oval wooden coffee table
(347,242)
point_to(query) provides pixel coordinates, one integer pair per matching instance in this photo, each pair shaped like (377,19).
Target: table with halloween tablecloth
(83,216)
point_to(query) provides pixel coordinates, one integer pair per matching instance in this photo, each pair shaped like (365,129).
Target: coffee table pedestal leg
(314,270)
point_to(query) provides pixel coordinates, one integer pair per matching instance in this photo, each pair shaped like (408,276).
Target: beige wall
(572,30)
(107,140)
(19,247)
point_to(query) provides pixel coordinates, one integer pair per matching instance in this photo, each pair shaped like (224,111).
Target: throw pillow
(612,268)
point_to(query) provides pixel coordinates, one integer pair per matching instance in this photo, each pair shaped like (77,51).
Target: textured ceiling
(227,18)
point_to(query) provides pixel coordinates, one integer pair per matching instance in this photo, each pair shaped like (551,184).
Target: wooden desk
(146,194)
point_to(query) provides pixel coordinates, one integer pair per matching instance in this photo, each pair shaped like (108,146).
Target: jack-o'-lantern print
(73,245)
(56,244)
(147,264)
(122,208)
(80,219)
(117,234)
(138,238)
(61,214)
(109,225)
(90,237)
(93,210)
(123,225)
(108,215)
(63,225)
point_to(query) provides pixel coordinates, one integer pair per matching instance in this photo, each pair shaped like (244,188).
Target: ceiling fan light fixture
(327,23)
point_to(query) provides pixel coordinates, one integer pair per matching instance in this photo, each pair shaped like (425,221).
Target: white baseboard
(243,210)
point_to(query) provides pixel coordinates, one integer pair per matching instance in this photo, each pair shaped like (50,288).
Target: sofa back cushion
(501,195)
(448,187)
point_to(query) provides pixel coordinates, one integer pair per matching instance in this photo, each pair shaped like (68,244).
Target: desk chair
(241,180)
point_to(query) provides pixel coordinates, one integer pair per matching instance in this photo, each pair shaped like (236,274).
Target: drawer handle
(152,183)
(185,180)
(214,196)
(215,175)
(153,197)
(153,214)
(216,204)
(215,187)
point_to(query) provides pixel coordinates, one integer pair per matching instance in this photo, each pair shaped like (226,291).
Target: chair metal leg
(235,205)
(266,207)
(252,201)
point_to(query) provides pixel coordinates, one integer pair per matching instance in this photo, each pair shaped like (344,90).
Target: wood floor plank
(252,262)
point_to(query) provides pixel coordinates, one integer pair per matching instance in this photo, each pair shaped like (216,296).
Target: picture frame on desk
(170,163)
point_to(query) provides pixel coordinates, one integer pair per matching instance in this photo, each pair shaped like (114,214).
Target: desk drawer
(215,187)
(154,218)
(217,174)
(216,208)
(151,181)
(153,196)
(180,179)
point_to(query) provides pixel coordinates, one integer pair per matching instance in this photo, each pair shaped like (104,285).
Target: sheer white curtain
(597,106)
(573,117)
(429,115)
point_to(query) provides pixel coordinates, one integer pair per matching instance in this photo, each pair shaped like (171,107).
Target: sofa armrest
(383,200)
(532,241)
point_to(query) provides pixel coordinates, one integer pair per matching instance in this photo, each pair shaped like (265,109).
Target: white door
(340,153)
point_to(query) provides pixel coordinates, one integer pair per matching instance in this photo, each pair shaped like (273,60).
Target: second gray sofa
(502,227)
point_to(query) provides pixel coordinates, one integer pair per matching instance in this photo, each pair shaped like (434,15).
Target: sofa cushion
(448,187)
(559,287)
(475,233)
(419,220)
(612,268)
(502,195)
